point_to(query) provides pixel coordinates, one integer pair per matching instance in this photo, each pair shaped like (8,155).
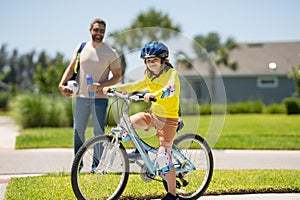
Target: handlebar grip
(137,97)
(141,96)
(152,99)
(111,90)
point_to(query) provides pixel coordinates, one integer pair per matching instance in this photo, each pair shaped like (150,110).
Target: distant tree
(295,75)
(184,60)
(43,59)
(152,18)
(19,70)
(145,28)
(28,71)
(3,57)
(218,51)
(27,65)
(14,75)
(49,72)
(4,70)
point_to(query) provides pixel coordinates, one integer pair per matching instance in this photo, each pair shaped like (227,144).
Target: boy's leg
(171,180)
(171,176)
(140,120)
(166,130)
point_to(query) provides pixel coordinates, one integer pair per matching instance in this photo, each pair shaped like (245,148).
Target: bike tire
(106,181)
(197,150)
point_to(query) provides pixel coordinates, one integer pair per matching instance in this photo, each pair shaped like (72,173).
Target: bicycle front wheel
(100,169)
(193,161)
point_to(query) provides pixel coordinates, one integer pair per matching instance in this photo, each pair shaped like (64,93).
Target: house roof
(254,59)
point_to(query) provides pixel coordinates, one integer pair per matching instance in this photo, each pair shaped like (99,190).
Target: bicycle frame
(126,125)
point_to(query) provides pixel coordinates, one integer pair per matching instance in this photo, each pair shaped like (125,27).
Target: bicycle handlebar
(135,97)
(140,97)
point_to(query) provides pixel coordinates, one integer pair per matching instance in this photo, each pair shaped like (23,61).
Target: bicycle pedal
(166,169)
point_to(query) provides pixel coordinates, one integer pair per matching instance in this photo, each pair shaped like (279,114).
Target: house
(262,74)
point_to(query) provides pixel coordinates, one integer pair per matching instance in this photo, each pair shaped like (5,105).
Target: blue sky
(58,26)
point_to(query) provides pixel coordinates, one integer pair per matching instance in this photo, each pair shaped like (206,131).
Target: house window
(267,82)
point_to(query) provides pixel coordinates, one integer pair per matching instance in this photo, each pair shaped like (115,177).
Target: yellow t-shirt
(167,107)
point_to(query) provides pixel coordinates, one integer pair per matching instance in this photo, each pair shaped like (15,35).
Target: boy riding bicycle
(162,82)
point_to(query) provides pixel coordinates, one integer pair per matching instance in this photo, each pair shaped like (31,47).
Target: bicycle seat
(180,124)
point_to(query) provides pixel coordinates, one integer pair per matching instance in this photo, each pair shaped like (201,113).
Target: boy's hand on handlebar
(106,90)
(148,96)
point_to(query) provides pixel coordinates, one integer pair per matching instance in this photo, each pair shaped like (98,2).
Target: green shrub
(68,105)
(138,106)
(57,113)
(257,107)
(275,109)
(116,109)
(205,109)
(113,115)
(292,105)
(4,99)
(245,107)
(31,110)
(219,109)
(190,108)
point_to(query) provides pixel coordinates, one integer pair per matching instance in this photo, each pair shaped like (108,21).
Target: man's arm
(117,74)
(66,76)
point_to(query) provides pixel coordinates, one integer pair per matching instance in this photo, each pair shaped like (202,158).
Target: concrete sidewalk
(8,133)
(43,161)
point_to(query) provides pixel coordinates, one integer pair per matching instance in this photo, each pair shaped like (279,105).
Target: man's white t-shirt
(98,61)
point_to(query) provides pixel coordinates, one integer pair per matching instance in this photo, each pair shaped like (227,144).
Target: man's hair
(98,20)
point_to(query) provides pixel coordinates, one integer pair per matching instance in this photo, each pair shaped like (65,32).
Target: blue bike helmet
(154,49)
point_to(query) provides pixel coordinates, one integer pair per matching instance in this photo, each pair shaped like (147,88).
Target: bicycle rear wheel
(100,169)
(192,182)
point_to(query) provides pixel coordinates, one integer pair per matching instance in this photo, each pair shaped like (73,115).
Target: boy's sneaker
(170,196)
(134,156)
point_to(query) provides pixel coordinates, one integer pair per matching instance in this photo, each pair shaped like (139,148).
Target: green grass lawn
(4,114)
(58,187)
(249,131)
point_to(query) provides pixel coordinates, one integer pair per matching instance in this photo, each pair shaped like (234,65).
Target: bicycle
(100,168)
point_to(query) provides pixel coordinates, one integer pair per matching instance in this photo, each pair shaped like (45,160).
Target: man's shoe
(170,196)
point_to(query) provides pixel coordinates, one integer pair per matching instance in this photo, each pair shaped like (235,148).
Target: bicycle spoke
(101,171)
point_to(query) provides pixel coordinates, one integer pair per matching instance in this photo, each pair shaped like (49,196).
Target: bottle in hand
(89,80)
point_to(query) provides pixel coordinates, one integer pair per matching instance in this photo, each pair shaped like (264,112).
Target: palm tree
(4,70)
(295,75)
(148,26)
(218,51)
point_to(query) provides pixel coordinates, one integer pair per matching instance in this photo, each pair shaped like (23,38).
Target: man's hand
(95,87)
(66,91)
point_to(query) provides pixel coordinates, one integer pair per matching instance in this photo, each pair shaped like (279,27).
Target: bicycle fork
(108,156)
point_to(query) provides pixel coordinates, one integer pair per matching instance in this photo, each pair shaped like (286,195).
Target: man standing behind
(98,60)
